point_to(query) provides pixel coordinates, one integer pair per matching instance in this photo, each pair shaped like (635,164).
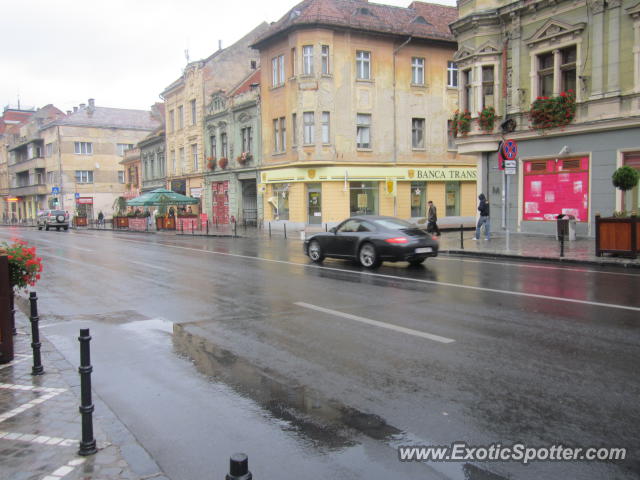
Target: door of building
(249,202)
(314,204)
(220,203)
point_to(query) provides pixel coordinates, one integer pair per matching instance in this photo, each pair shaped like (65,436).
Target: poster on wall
(554,187)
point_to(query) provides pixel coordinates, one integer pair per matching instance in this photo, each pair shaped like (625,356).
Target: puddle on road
(327,423)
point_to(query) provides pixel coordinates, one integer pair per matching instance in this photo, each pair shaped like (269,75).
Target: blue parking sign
(77,195)
(55,190)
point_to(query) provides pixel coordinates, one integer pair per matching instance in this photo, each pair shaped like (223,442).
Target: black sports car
(372,240)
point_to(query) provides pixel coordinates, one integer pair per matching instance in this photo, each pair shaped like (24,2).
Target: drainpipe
(395,119)
(60,182)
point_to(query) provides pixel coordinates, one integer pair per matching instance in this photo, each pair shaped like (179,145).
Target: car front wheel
(368,256)
(315,252)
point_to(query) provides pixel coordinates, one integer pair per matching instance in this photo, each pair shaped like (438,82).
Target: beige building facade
(355,114)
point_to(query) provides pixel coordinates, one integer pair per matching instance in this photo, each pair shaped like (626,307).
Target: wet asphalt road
(204,347)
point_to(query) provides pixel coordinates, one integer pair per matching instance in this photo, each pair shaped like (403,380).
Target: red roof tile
(366,16)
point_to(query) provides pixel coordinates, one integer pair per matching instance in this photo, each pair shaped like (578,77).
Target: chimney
(253,64)
(82,106)
(219,44)
(68,112)
(92,105)
(75,109)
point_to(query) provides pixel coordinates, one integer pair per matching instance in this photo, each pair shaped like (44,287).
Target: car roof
(372,217)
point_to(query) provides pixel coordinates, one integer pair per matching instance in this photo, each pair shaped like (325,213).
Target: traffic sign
(55,190)
(77,195)
(510,149)
(509,171)
(510,164)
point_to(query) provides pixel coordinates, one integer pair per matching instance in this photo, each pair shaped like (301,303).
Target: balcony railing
(23,191)
(25,165)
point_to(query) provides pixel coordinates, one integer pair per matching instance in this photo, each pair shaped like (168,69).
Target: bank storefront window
(631,198)
(281,192)
(418,199)
(363,198)
(452,193)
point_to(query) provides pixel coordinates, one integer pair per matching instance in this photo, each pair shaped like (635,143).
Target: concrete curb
(538,258)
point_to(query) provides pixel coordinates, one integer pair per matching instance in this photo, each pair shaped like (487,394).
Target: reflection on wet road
(542,354)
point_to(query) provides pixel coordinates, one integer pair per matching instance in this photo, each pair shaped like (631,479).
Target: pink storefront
(556,186)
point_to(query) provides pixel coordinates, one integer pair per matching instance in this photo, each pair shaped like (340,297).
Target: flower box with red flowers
(24,265)
(553,112)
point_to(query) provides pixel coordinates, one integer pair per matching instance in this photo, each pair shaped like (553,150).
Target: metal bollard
(269,229)
(461,237)
(37,368)
(216,223)
(207,227)
(235,228)
(285,230)
(12,311)
(239,468)
(193,227)
(88,442)
(326,227)
(562,245)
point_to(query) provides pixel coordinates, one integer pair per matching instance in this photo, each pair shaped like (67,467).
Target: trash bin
(566,227)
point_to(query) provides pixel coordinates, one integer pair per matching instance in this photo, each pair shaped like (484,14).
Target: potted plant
(223,162)
(120,219)
(454,123)
(620,234)
(553,112)
(24,265)
(487,119)
(244,158)
(80,219)
(211,163)
(464,122)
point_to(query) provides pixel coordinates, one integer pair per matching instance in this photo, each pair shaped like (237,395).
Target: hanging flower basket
(244,158)
(211,163)
(464,122)
(553,112)
(223,162)
(487,119)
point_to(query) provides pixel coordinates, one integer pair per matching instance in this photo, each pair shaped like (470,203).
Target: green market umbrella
(161,196)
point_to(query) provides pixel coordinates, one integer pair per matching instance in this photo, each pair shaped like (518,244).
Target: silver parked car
(53,218)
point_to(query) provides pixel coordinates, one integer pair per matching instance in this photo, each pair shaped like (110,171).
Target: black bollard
(562,244)
(269,229)
(461,237)
(235,228)
(239,467)
(12,312)
(193,227)
(207,227)
(216,223)
(326,227)
(285,230)
(37,368)
(88,443)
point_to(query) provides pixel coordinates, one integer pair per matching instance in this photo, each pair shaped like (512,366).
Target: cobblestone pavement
(40,426)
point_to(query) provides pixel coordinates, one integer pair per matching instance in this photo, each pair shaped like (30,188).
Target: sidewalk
(40,426)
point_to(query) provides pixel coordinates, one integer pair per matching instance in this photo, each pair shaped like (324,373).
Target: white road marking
(65,469)
(13,362)
(43,439)
(528,265)
(49,392)
(376,323)
(392,277)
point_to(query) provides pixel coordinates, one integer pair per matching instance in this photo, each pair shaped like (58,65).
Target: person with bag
(432,219)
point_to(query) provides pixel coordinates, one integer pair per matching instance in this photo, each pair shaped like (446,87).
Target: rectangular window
(223,145)
(277,70)
(294,59)
(417,132)
(452,199)
(326,128)
(363,198)
(48,150)
(83,148)
(452,75)
(84,176)
(568,69)
(247,139)
(418,199)
(194,157)
(363,130)
(193,112)
(468,90)
(122,147)
(120,176)
(417,71)
(545,75)
(180,116)
(281,192)
(276,135)
(307,60)
(212,143)
(308,121)
(172,121)
(294,129)
(183,160)
(363,65)
(173,162)
(324,54)
(487,87)
(51,178)
(283,134)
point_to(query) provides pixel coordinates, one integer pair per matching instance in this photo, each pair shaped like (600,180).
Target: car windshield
(57,212)
(392,223)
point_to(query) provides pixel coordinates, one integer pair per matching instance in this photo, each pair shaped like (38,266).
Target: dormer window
(218,104)
(365,11)
(421,20)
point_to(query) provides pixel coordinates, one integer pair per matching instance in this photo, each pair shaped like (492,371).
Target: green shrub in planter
(625,178)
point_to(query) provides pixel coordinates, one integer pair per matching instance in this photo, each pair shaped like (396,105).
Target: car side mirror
(333,230)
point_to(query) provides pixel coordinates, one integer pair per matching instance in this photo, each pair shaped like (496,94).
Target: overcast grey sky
(123,53)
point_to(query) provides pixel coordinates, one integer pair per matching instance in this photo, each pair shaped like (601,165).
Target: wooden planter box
(166,223)
(618,235)
(80,221)
(120,222)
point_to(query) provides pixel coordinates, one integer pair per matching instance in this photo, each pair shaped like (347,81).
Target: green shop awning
(161,196)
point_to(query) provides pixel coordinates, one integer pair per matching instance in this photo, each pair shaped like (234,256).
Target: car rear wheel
(416,261)
(368,256)
(315,252)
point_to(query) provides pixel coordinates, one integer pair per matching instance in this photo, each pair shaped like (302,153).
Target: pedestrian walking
(100,218)
(483,208)
(432,219)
